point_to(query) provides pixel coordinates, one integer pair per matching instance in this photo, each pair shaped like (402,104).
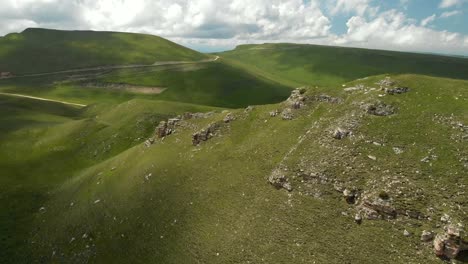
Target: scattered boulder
(249,109)
(204,134)
(287,114)
(279,180)
(397,90)
(427,236)
(229,118)
(386,82)
(449,243)
(358,218)
(356,88)
(149,142)
(166,128)
(350,196)
(380,109)
(274,113)
(340,133)
(398,150)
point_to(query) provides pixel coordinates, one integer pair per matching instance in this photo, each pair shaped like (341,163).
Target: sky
(436,26)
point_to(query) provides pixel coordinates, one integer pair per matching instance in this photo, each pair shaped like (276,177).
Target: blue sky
(211,25)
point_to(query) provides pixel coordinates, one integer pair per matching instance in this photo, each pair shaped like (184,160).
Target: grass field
(78,185)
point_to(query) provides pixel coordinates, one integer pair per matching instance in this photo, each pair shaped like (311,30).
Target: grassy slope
(210,83)
(43,144)
(211,204)
(43,50)
(295,65)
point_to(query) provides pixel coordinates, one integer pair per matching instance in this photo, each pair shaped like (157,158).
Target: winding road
(116,67)
(41,99)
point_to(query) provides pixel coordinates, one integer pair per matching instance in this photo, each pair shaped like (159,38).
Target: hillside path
(41,99)
(116,67)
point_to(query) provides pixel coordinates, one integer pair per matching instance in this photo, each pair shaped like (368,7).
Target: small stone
(372,157)
(358,218)
(406,233)
(97,201)
(427,236)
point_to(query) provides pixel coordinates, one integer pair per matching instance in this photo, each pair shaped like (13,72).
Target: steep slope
(396,161)
(296,64)
(38,50)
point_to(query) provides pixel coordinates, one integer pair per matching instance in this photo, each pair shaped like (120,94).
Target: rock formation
(380,109)
(449,243)
(279,180)
(204,134)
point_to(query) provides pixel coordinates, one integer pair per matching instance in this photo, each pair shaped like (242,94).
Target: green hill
(174,202)
(43,50)
(296,64)
(351,168)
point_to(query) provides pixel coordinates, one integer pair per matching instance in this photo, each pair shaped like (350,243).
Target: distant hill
(299,64)
(43,50)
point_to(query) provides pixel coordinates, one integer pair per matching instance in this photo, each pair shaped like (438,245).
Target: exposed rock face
(287,114)
(204,134)
(229,118)
(397,90)
(279,180)
(380,109)
(450,243)
(378,208)
(386,82)
(188,115)
(327,98)
(297,99)
(166,128)
(340,133)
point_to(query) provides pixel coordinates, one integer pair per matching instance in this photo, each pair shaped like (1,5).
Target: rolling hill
(245,168)
(37,50)
(300,64)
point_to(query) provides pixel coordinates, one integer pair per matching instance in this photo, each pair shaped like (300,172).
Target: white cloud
(226,23)
(393,30)
(450,13)
(451,3)
(360,7)
(428,20)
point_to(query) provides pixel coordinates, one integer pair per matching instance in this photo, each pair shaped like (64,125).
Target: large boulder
(449,243)
(204,134)
(279,180)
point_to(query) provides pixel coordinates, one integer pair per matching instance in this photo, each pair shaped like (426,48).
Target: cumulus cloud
(226,23)
(393,30)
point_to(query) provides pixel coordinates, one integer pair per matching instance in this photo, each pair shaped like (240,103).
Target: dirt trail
(116,67)
(41,99)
